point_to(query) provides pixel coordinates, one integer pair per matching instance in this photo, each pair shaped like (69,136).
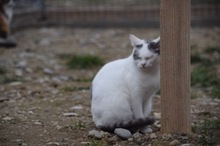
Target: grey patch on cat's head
(136,55)
(154,47)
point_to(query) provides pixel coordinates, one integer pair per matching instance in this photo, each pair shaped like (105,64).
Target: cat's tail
(132,125)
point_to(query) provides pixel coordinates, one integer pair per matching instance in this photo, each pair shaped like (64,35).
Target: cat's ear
(135,41)
(155,45)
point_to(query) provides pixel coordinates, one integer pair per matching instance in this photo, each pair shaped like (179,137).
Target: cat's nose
(143,64)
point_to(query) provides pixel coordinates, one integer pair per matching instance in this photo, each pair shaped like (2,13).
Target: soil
(49,104)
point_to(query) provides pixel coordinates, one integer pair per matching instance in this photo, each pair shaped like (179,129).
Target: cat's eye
(139,46)
(147,58)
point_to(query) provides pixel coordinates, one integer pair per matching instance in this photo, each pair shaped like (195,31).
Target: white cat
(123,89)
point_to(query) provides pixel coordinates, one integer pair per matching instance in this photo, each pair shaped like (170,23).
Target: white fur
(122,90)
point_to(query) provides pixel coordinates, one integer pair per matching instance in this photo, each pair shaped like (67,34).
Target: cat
(6,12)
(122,90)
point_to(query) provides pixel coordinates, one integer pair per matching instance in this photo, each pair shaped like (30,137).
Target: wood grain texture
(175,66)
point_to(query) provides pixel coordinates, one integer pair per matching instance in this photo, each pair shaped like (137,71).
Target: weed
(96,142)
(211,50)
(5,79)
(84,61)
(80,125)
(202,77)
(207,132)
(2,70)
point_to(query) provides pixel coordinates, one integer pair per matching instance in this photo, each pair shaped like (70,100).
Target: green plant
(5,79)
(208,132)
(96,142)
(84,61)
(80,125)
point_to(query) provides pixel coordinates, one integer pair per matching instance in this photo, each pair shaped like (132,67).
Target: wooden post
(175,66)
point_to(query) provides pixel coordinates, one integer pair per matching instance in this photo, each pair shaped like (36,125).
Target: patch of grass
(72,89)
(96,142)
(5,79)
(2,71)
(84,61)
(80,125)
(83,79)
(207,132)
(201,76)
(211,50)
(196,58)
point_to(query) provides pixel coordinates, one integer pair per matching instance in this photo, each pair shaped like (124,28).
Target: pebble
(7,118)
(174,143)
(4,98)
(70,114)
(37,123)
(187,144)
(123,133)
(48,71)
(157,116)
(96,134)
(136,135)
(21,64)
(85,143)
(77,107)
(53,144)
(153,136)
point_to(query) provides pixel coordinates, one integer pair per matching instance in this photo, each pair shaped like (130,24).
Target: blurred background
(61,44)
(98,13)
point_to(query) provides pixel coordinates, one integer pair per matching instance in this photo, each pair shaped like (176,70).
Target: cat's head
(145,53)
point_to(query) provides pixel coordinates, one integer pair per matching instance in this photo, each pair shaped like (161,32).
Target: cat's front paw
(146,130)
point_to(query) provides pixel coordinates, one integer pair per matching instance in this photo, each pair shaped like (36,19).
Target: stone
(174,142)
(4,98)
(37,123)
(85,143)
(157,116)
(77,107)
(123,133)
(153,136)
(187,144)
(52,144)
(8,118)
(70,114)
(95,134)
(48,71)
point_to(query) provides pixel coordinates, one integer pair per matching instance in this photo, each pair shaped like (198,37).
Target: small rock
(37,123)
(123,133)
(45,42)
(157,124)
(7,118)
(157,115)
(130,139)
(95,134)
(187,144)
(77,107)
(30,112)
(21,64)
(174,143)
(4,98)
(59,127)
(136,135)
(48,71)
(19,73)
(53,144)
(153,136)
(18,141)
(70,114)
(85,143)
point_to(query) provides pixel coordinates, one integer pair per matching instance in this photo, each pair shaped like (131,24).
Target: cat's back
(112,70)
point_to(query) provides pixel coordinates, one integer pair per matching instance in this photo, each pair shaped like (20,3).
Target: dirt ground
(39,106)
